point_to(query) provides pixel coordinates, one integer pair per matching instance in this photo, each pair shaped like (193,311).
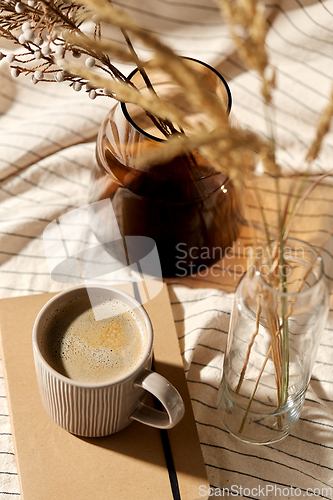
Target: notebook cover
(138,462)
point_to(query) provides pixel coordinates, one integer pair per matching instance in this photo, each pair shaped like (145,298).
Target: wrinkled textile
(47,151)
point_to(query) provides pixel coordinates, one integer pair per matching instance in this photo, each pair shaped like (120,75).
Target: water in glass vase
(273,339)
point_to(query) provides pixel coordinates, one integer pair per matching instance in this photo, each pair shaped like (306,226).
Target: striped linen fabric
(47,140)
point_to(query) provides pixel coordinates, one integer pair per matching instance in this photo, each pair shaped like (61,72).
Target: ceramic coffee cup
(99,408)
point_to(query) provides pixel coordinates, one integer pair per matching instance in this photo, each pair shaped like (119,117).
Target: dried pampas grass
(231,150)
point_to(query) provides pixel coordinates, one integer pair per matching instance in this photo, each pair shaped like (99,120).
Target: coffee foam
(90,351)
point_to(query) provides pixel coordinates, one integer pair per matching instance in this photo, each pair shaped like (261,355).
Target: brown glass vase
(191,212)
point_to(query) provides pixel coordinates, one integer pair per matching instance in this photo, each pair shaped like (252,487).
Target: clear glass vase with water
(273,339)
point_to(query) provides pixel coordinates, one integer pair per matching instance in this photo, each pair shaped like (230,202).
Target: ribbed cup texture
(80,410)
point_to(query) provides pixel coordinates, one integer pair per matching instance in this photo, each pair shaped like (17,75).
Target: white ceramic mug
(93,410)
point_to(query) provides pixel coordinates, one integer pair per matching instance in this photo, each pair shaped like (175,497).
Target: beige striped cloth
(47,141)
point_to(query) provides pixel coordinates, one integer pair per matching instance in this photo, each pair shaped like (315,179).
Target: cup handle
(166,394)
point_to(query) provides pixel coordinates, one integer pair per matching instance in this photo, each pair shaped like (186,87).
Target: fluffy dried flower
(125,93)
(249,15)
(322,129)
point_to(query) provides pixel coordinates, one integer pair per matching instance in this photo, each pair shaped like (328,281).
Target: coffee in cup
(81,348)
(93,374)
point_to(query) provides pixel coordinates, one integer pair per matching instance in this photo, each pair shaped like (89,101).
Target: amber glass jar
(190,211)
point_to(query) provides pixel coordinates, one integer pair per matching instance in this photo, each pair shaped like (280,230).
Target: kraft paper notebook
(139,462)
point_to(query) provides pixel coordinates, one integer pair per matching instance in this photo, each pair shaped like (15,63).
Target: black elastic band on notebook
(164,433)
(168,454)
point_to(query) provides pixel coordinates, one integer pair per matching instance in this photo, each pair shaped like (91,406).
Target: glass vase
(273,338)
(191,211)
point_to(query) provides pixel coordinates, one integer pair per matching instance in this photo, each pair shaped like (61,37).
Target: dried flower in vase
(40,29)
(62,41)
